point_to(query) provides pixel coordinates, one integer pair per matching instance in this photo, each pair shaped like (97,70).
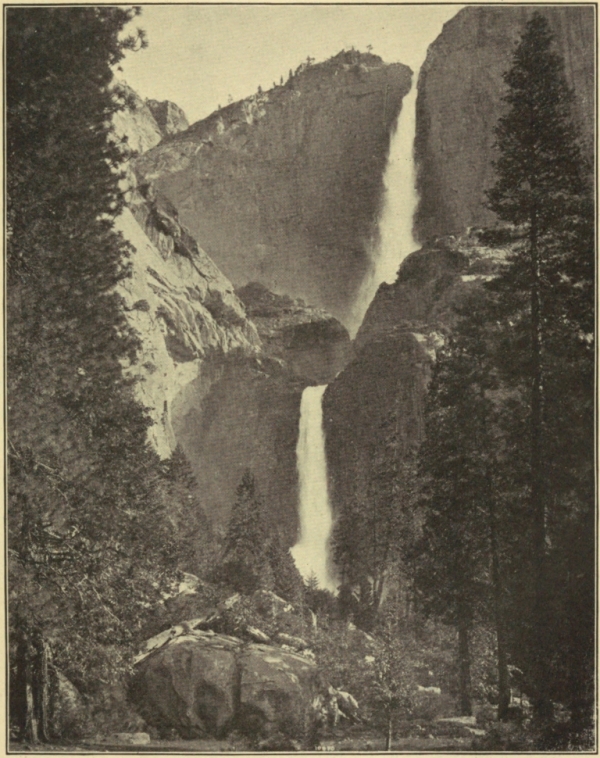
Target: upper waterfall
(395,232)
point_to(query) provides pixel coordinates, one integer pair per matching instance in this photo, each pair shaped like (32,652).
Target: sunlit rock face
(135,122)
(284,187)
(459,103)
(168,116)
(145,122)
(184,311)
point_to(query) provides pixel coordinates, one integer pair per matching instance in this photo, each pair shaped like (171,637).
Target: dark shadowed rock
(396,344)
(314,344)
(189,684)
(277,690)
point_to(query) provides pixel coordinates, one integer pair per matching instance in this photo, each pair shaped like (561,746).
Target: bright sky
(199,55)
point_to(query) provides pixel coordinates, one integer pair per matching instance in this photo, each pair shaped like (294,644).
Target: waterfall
(395,234)
(311,552)
(395,242)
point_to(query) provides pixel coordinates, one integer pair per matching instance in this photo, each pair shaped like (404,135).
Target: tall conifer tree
(542,191)
(90,542)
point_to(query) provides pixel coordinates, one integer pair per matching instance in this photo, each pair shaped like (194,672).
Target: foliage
(255,557)
(373,529)
(506,467)
(545,306)
(90,519)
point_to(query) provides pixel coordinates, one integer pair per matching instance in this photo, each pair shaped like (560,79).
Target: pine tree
(245,565)
(192,528)
(373,527)
(469,486)
(543,191)
(90,544)
(287,581)
(450,557)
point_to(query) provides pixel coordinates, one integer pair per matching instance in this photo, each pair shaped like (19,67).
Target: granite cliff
(459,102)
(145,123)
(220,373)
(284,187)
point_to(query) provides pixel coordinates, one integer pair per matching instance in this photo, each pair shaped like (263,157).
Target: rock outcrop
(169,117)
(145,123)
(309,340)
(396,344)
(459,103)
(283,188)
(209,675)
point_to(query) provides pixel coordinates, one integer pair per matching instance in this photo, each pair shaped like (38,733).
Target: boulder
(277,690)
(189,684)
(209,684)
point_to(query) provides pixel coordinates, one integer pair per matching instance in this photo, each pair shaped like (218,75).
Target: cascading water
(311,552)
(395,242)
(395,238)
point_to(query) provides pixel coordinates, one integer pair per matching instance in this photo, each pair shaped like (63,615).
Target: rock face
(184,310)
(459,103)
(136,121)
(229,393)
(168,116)
(249,417)
(203,683)
(315,345)
(284,188)
(395,346)
(145,123)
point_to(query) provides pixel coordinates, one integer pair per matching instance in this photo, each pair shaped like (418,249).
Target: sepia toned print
(300,320)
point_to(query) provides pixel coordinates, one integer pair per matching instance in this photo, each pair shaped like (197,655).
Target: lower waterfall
(311,551)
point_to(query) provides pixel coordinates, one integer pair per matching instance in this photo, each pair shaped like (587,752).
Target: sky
(199,56)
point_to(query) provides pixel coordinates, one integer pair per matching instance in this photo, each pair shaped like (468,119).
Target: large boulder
(277,689)
(189,684)
(201,683)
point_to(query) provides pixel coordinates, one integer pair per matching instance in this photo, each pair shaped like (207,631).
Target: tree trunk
(388,738)
(464,667)
(501,646)
(42,655)
(31,720)
(539,644)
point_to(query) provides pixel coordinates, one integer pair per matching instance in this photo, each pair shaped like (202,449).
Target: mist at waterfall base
(395,229)
(311,552)
(395,241)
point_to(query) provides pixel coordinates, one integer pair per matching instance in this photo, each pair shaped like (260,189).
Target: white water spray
(311,552)
(400,200)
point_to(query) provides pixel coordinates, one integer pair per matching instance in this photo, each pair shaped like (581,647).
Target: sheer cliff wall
(460,100)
